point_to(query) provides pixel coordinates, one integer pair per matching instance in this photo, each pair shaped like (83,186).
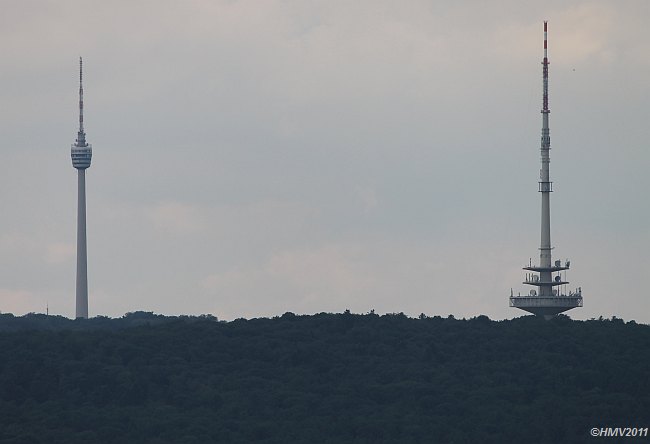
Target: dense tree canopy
(330,378)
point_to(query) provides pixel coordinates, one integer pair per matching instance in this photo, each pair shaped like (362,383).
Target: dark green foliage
(330,378)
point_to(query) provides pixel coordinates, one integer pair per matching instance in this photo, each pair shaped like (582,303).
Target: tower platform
(547,306)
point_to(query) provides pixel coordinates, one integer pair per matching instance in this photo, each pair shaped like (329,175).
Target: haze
(257,157)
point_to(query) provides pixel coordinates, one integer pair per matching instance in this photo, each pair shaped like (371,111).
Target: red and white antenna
(545,71)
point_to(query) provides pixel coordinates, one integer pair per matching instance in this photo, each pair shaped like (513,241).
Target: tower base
(547,306)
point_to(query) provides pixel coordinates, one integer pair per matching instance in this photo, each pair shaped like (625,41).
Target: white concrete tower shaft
(545,184)
(81,153)
(82,259)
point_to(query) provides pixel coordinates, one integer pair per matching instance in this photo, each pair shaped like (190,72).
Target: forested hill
(335,378)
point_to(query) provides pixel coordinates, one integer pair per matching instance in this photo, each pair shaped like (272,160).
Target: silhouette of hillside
(326,378)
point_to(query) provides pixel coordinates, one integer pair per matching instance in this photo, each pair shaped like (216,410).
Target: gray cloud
(256,157)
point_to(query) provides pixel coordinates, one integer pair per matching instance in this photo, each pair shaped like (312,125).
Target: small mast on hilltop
(548,300)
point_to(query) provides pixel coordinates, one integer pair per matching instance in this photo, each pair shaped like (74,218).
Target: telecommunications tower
(81,154)
(549,299)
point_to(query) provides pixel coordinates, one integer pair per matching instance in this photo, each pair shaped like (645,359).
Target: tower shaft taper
(82,263)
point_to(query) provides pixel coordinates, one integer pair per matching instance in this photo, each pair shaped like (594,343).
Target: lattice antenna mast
(545,71)
(81,136)
(545,184)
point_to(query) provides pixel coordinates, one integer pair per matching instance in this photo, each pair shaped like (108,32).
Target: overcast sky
(257,157)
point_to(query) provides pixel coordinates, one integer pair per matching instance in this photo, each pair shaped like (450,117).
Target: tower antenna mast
(81,138)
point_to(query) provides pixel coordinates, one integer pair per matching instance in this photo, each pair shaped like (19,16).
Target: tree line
(324,378)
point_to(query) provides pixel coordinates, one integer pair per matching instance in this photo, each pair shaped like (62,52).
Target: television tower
(549,299)
(81,154)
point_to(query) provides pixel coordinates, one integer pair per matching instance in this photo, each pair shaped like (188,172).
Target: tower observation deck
(550,297)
